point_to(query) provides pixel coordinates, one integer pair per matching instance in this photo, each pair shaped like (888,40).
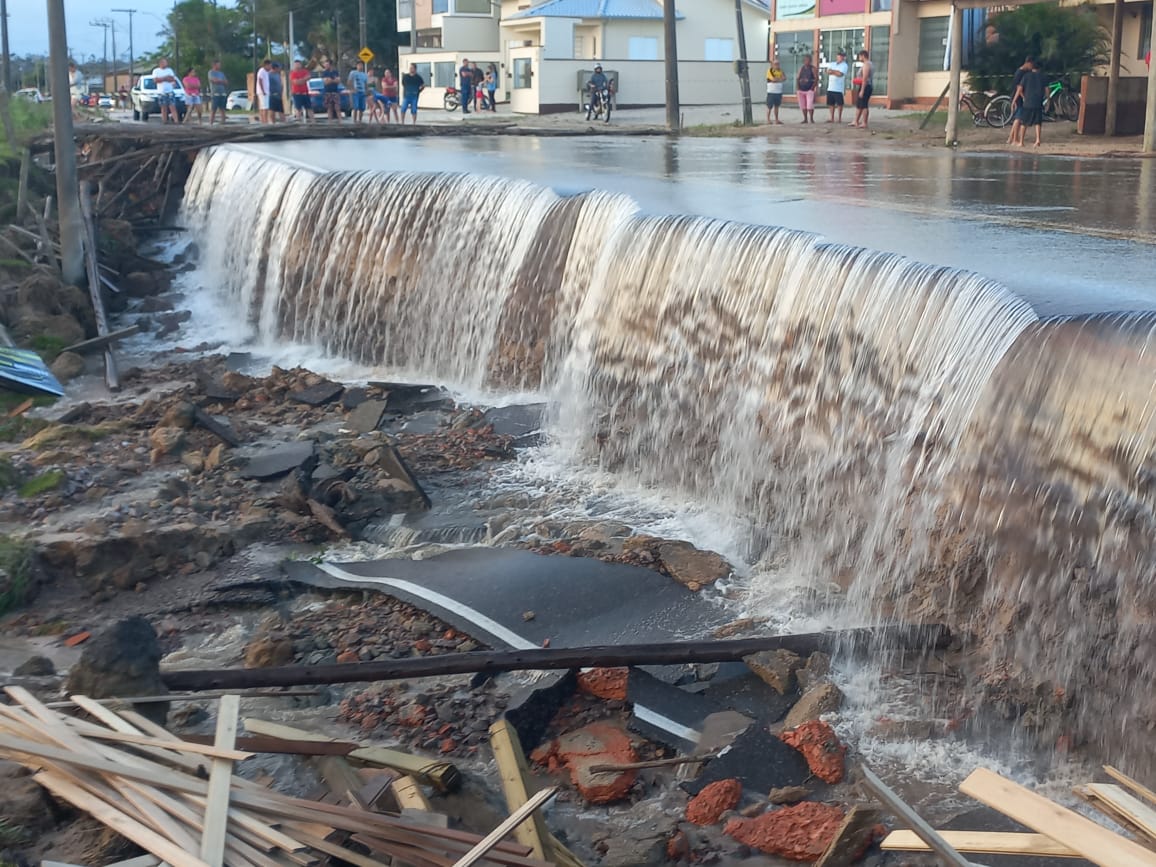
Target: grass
(48,345)
(15,572)
(939,118)
(28,118)
(11,835)
(74,434)
(42,483)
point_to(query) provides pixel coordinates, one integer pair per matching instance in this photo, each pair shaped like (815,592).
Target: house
(446,32)
(907,40)
(546,51)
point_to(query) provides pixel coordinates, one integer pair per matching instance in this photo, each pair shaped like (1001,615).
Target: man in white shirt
(263,112)
(166,81)
(837,84)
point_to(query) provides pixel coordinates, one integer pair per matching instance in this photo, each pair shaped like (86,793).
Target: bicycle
(1060,102)
(996,112)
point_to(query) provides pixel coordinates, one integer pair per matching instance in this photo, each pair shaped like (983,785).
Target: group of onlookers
(478,87)
(839,75)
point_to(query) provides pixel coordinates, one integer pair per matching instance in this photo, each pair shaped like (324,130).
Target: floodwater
(1069,235)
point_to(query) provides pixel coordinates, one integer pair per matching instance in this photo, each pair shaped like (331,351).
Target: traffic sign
(366,55)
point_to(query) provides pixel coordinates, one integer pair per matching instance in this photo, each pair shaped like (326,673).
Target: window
(848,39)
(719,49)
(404,8)
(932,44)
(523,73)
(643,48)
(789,49)
(426,72)
(880,5)
(881,56)
(429,38)
(474,7)
(440,6)
(579,46)
(444,73)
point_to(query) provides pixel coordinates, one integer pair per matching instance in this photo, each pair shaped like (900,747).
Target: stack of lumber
(1058,831)
(181,802)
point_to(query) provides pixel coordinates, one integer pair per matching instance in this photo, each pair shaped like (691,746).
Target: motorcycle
(452,100)
(599,103)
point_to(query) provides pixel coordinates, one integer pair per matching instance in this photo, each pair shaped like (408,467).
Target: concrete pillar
(956,74)
(1150,114)
(1114,67)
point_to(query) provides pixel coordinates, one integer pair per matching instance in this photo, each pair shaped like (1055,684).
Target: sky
(28,26)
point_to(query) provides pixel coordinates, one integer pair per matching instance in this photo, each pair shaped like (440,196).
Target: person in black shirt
(1031,93)
(412,85)
(1017,103)
(466,73)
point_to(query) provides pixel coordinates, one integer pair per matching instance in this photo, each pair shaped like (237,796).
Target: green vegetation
(28,119)
(43,483)
(48,345)
(76,434)
(15,572)
(11,834)
(1068,41)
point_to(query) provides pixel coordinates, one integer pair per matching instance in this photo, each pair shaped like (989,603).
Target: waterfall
(912,434)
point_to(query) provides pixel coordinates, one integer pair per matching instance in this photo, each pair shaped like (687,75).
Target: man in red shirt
(299,88)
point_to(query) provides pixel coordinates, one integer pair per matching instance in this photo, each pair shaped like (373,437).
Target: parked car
(106,101)
(144,99)
(31,94)
(316,88)
(238,99)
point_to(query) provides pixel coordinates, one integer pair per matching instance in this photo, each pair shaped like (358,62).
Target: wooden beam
(513,772)
(408,794)
(491,661)
(1082,835)
(1128,783)
(983,843)
(220,782)
(103,340)
(179,745)
(494,837)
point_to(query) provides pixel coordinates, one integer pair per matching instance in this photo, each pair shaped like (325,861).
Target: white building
(546,51)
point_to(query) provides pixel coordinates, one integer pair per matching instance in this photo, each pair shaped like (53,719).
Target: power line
(131,53)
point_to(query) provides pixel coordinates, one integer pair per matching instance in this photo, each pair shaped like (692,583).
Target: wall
(1130,106)
(558,41)
(616,39)
(432,97)
(469,33)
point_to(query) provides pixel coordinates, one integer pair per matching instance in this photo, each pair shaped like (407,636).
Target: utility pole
(361,24)
(1114,67)
(103,24)
(1150,114)
(115,77)
(176,41)
(743,71)
(338,28)
(64,143)
(5,59)
(670,32)
(292,40)
(131,54)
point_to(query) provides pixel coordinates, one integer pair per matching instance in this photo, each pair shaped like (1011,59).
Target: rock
(824,698)
(906,730)
(122,661)
(214,457)
(35,666)
(156,305)
(318,395)
(707,807)
(195,461)
(139,284)
(788,794)
(816,671)
(278,460)
(165,441)
(776,668)
(180,414)
(678,847)
(605,683)
(687,565)
(25,808)
(269,650)
(599,743)
(800,833)
(636,847)
(860,828)
(821,747)
(67,366)
(366,416)
(758,759)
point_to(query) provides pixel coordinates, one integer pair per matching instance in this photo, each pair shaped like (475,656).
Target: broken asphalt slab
(271,462)
(758,759)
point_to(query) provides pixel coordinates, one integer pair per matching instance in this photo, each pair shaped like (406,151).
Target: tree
(200,32)
(1068,41)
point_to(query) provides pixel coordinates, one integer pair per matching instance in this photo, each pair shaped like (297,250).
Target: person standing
(837,85)
(466,76)
(412,85)
(358,85)
(491,84)
(192,86)
(331,91)
(866,88)
(776,78)
(166,82)
(805,83)
(1031,93)
(1017,102)
(276,94)
(75,87)
(299,91)
(388,97)
(262,87)
(218,92)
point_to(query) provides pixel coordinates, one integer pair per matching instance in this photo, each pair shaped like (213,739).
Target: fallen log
(612,656)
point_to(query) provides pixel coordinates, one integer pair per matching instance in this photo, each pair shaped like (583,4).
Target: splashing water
(910,434)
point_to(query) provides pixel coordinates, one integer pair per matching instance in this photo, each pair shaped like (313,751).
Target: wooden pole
(1150,114)
(111,374)
(1114,67)
(67,193)
(670,34)
(743,70)
(913,820)
(956,75)
(492,661)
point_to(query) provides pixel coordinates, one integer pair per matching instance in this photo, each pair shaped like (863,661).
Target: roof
(620,9)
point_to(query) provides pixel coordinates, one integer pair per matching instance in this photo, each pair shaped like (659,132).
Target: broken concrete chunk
(708,806)
(366,416)
(692,567)
(824,698)
(788,794)
(816,671)
(800,833)
(278,460)
(759,760)
(600,743)
(821,747)
(776,668)
(318,395)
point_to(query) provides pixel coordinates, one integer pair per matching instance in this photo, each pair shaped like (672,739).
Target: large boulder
(122,661)
(824,698)
(67,366)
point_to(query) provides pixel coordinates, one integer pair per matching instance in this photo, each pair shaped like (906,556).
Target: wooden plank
(1107,808)
(108,815)
(179,745)
(342,780)
(188,696)
(513,772)
(1128,783)
(911,818)
(1092,841)
(337,851)
(983,843)
(103,340)
(408,793)
(140,861)
(494,837)
(220,781)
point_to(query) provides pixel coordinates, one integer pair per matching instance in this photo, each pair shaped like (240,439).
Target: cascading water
(911,433)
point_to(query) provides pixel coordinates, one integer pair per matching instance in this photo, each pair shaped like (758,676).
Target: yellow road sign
(366,55)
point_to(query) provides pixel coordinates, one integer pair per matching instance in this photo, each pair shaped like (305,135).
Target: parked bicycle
(1060,102)
(986,109)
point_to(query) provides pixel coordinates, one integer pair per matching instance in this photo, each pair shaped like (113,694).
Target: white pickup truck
(144,98)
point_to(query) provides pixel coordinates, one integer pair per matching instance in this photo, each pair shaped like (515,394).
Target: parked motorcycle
(599,104)
(452,100)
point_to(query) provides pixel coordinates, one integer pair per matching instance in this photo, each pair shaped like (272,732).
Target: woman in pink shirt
(192,86)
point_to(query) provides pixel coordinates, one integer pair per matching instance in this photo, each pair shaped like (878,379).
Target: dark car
(317,98)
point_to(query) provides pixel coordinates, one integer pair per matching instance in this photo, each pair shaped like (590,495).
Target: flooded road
(1068,235)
